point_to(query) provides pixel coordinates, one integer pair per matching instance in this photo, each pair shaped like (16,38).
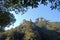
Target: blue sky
(40,11)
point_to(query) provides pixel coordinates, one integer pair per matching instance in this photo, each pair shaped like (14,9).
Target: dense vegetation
(41,29)
(7,6)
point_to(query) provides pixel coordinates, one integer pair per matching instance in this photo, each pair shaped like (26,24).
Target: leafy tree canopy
(22,5)
(6,19)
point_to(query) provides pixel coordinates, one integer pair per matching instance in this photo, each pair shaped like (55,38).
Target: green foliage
(32,31)
(6,19)
(21,6)
(32,3)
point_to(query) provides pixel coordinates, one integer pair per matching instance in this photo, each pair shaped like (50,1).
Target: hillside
(41,29)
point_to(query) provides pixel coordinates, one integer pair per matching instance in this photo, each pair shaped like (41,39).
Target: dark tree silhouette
(21,4)
(6,19)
